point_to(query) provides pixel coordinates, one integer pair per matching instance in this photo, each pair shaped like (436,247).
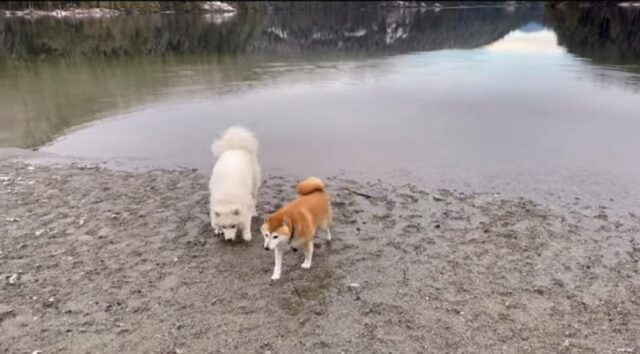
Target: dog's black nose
(266,248)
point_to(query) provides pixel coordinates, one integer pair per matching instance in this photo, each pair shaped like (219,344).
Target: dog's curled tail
(235,138)
(310,185)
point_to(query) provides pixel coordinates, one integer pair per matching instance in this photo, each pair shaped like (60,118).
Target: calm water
(512,100)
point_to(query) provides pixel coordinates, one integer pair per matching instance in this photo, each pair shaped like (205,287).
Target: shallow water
(518,100)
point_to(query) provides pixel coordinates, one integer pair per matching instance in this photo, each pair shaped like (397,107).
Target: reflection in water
(528,41)
(484,96)
(39,99)
(604,35)
(57,74)
(397,31)
(608,37)
(153,35)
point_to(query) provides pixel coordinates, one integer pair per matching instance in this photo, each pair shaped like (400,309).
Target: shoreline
(91,254)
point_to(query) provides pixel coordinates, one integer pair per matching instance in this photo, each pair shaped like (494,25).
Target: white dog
(234,183)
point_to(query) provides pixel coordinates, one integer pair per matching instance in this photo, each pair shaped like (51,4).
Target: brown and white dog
(295,224)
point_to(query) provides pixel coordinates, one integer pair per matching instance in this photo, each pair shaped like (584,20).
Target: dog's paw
(306,265)
(246,237)
(275,277)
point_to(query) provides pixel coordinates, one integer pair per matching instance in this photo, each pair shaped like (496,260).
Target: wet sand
(97,260)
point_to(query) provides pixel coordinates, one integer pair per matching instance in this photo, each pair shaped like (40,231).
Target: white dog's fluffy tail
(235,138)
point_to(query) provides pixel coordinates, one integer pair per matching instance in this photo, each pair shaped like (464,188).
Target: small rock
(37,352)
(12,219)
(39,232)
(438,198)
(354,285)
(626,350)
(5,312)
(50,302)
(104,232)
(13,279)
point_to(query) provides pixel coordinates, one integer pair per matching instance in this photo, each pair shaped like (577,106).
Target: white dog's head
(228,219)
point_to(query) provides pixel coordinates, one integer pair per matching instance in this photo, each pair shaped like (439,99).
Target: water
(516,100)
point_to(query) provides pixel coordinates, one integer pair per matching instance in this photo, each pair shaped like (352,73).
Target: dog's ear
(236,212)
(286,221)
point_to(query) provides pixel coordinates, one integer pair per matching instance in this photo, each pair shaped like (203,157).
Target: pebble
(104,232)
(354,285)
(13,279)
(50,301)
(438,198)
(5,311)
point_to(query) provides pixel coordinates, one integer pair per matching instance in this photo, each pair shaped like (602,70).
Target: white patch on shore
(218,6)
(93,12)
(218,18)
(359,33)
(278,32)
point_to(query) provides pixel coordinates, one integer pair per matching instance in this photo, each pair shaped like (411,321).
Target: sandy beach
(103,261)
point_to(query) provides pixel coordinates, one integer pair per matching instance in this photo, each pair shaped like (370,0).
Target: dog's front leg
(216,231)
(308,254)
(246,230)
(278,268)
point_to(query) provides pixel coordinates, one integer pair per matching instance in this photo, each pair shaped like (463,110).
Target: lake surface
(517,100)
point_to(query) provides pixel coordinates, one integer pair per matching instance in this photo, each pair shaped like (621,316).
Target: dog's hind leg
(308,254)
(257,179)
(326,227)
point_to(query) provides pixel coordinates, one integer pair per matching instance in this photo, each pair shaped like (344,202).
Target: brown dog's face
(276,232)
